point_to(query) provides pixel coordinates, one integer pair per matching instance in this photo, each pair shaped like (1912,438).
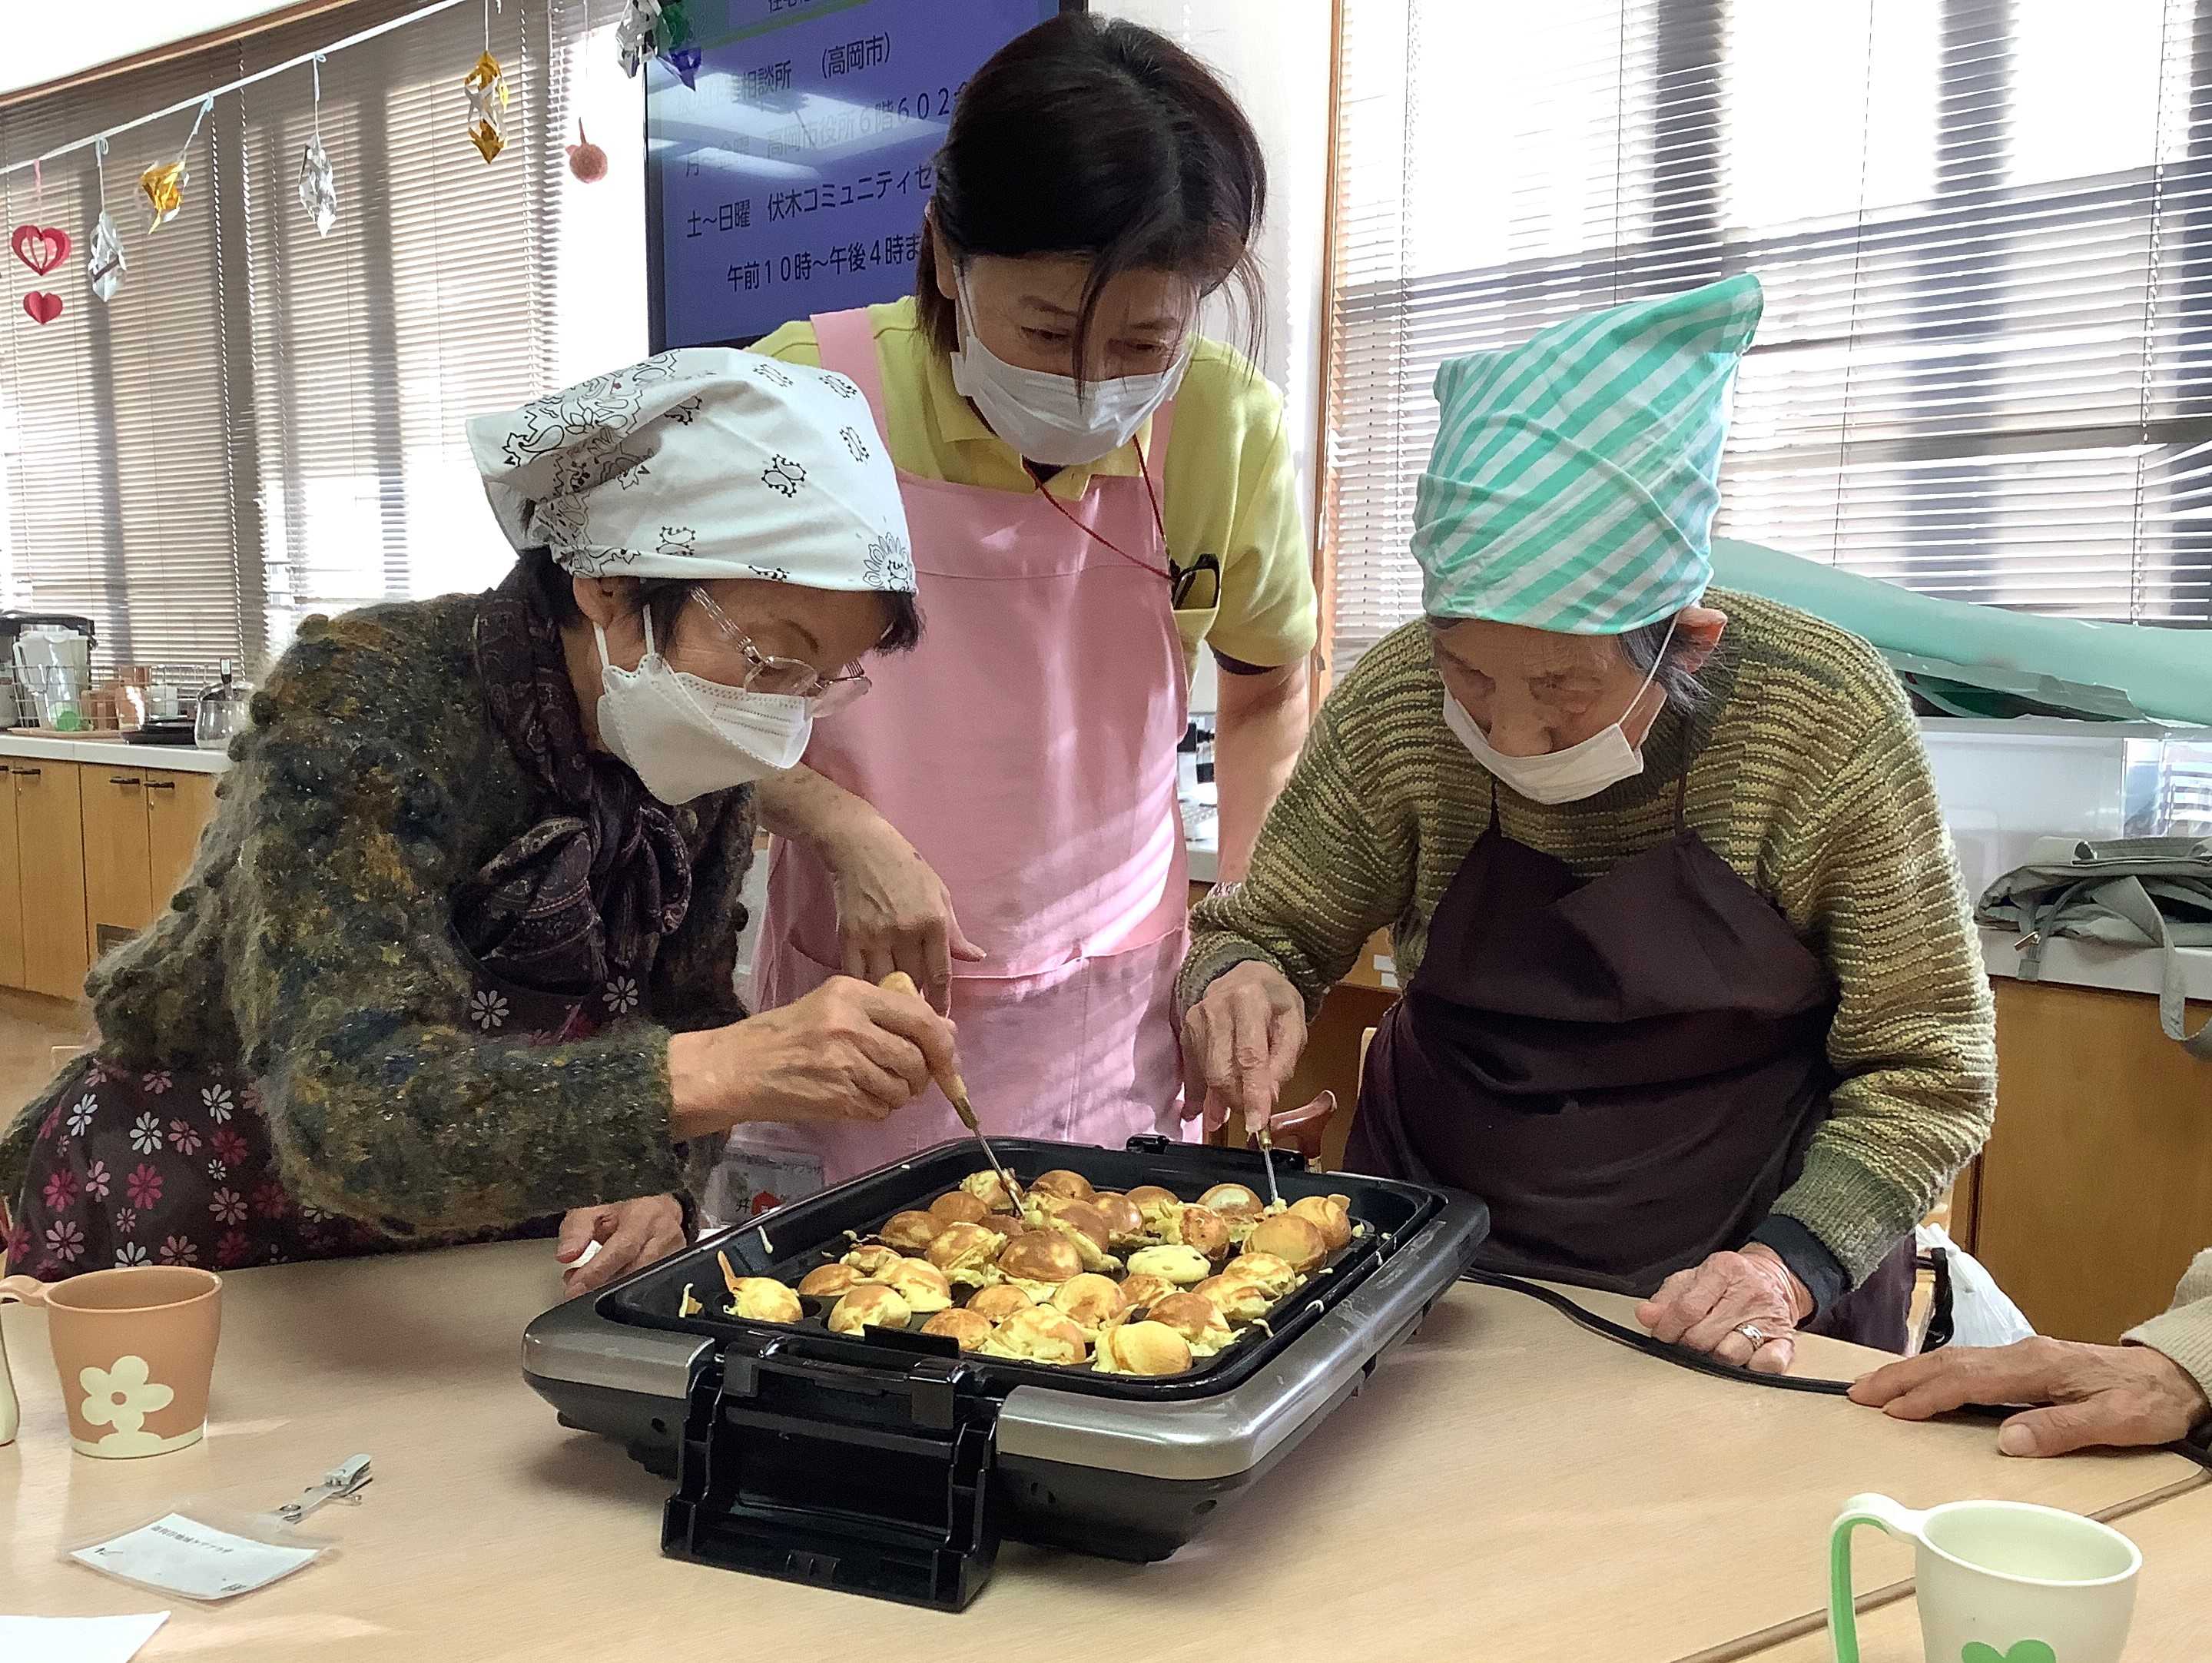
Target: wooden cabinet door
(118,899)
(11,886)
(49,855)
(2096,1187)
(179,806)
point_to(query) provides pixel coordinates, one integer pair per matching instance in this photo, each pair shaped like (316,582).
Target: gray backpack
(2131,892)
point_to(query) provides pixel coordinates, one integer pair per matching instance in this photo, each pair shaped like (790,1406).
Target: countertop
(1506,1486)
(178,758)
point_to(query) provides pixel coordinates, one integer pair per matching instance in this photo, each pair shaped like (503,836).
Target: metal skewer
(1267,1159)
(955,1090)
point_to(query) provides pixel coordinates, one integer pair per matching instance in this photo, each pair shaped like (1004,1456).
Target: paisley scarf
(587,892)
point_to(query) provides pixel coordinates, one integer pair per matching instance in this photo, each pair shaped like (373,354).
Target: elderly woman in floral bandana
(456,957)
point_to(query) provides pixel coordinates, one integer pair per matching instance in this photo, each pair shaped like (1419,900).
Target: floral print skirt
(176,1166)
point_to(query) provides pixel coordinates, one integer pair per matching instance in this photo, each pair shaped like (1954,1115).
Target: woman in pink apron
(1074,539)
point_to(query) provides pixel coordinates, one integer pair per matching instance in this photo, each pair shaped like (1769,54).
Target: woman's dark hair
(665,597)
(1094,137)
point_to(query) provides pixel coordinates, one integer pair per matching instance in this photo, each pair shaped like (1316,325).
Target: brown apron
(1627,1071)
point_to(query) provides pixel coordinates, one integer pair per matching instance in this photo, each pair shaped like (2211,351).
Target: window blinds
(1986,230)
(266,422)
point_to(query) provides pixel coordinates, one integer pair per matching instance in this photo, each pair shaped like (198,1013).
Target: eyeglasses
(765,672)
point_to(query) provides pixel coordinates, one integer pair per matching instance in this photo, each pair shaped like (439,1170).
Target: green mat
(1985,662)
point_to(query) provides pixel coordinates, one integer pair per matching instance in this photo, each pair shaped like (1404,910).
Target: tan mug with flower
(135,1349)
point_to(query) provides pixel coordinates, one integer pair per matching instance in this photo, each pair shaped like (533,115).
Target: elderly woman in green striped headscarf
(1691,996)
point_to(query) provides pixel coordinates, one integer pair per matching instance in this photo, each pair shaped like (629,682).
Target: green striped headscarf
(1572,484)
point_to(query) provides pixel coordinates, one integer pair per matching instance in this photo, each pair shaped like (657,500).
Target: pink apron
(1027,750)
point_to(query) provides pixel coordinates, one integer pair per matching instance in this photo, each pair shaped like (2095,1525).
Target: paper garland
(486,87)
(104,265)
(319,182)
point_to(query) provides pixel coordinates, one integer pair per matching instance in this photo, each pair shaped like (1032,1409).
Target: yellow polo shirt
(1227,489)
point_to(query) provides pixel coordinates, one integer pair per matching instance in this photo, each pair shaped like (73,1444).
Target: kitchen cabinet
(11,886)
(142,827)
(2095,1188)
(179,807)
(118,895)
(50,865)
(89,855)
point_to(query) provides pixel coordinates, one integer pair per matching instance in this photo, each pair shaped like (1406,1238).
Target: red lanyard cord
(1145,473)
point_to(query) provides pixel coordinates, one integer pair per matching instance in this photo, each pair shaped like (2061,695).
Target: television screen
(790,179)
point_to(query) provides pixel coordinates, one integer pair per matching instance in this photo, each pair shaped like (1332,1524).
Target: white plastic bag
(1981,1313)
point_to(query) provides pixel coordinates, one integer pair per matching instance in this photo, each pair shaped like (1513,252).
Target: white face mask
(685,737)
(1047,417)
(1580,772)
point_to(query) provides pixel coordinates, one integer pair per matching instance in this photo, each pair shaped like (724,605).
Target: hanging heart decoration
(41,247)
(42,309)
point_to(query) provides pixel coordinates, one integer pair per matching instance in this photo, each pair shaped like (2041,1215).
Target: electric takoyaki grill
(895,1464)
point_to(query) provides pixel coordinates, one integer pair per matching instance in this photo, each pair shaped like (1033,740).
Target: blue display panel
(791,178)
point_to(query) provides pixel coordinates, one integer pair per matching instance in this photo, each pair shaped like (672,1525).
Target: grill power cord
(1637,1340)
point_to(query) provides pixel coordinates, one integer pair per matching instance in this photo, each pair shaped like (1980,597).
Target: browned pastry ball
(1090,1301)
(1039,1334)
(871,1304)
(1272,1276)
(1239,1302)
(966,1252)
(921,1284)
(1125,1225)
(964,1326)
(1233,1202)
(959,1207)
(1330,1214)
(1197,1318)
(912,1233)
(1041,1258)
(1147,1290)
(1155,1205)
(998,1303)
(1061,1182)
(829,1281)
(1142,1347)
(872,1258)
(1201,1228)
(986,1187)
(1297,1242)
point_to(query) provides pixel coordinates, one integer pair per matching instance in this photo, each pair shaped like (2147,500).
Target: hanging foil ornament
(677,49)
(319,186)
(104,265)
(587,160)
(636,36)
(164,184)
(486,87)
(103,262)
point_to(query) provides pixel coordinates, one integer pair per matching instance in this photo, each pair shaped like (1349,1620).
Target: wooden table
(2174,1594)
(1507,1488)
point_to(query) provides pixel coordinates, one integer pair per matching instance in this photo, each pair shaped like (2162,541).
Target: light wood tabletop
(1508,1487)
(2174,1594)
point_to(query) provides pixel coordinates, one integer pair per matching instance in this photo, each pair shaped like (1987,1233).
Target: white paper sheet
(76,1639)
(183,1555)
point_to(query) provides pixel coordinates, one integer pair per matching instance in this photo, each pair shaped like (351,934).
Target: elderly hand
(631,1234)
(1240,1043)
(894,912)
(2097,1394)
(1704,1309)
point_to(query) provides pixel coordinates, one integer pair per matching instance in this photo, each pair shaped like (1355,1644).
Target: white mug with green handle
(1997,1582)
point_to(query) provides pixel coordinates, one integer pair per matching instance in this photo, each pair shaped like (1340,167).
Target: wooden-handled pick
(955,1090)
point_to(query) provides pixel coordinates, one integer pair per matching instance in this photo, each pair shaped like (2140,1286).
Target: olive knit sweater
(1806,774)
(310,949)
